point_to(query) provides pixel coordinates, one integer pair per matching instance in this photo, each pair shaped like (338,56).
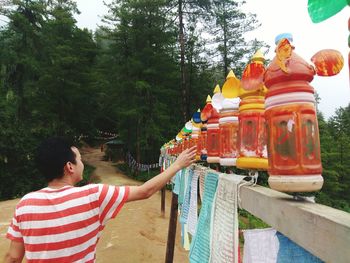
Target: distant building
(114,150)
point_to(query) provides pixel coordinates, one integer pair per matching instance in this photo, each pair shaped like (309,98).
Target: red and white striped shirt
(64,225)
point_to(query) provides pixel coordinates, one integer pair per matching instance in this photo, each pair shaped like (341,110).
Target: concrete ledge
(322,230)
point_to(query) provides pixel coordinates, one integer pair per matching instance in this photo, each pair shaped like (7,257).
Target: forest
(141,75)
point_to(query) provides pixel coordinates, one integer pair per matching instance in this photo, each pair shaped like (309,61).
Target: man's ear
(69,168)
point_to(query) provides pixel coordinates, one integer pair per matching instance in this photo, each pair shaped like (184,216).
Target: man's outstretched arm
(186,158)
(15,253)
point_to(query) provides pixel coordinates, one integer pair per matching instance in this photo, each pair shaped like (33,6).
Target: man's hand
(186,158)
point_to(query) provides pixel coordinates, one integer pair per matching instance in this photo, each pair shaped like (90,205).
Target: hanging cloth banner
(200,247)
(192,213)
(224,241)
(186,202)
(268,245)
(132,163)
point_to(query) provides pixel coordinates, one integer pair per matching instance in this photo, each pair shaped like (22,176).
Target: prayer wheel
(205,114)
(228,125)
(213,138)
(252,134)
(252,145)
(294,159)
(228,122)
(213,131)
(196,132)
(202,149)
(199,145)
(194,136)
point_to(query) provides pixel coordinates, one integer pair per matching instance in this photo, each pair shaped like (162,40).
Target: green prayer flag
(320,10)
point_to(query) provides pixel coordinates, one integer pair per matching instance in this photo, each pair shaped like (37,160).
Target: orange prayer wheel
(199,146)
(293,137)
(178,148)
(196,131)
(195,138)
(206,113)
(202,149)
(252,134)
(228,125)
(252,146)
(213,138)
(186,142)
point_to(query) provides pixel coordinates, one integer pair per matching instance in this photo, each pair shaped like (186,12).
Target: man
(63,223)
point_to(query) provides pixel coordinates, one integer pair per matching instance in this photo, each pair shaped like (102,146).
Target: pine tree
(143,75)
(227,24)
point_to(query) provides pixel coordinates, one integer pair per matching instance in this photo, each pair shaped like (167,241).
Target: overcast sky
(278,16)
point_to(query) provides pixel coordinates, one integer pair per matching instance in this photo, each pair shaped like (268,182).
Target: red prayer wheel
(228,125)
(202,151)
(293,138)
(213,138)
(252,134)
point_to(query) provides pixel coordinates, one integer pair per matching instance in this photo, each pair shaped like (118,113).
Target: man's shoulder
(60,195)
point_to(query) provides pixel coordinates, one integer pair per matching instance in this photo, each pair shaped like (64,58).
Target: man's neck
(59,183)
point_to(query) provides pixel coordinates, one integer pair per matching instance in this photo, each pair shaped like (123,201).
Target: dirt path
(139,232)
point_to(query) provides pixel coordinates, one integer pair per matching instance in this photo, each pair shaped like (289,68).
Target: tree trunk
(182,63)
(226,64)
(138,150)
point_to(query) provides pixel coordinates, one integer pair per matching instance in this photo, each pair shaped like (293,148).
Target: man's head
(56,157)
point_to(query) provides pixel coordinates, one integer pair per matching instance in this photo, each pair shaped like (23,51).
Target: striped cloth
(186,202)
(200,247)
(201,185)
(176,181)
(184,173)
(193,210)
(224,242)
(64,225)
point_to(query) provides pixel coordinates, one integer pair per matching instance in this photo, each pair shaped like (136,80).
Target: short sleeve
(111,200)
(13,232)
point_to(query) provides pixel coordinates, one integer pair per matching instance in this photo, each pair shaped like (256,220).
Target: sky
(279,16)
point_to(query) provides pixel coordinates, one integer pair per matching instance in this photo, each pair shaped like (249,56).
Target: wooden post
(162,204)
(172,230)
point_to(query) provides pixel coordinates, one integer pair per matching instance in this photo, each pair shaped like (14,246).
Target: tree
(227,25)
(143,71)
(45,65)
(65,86)
(335,143)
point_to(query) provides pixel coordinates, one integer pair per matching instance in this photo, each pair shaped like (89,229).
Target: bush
(139,176)
(87,176)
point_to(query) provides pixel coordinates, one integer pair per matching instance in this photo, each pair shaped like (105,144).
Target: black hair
(52,155)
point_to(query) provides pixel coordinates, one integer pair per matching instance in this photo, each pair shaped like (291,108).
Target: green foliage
(142,176)
(58,79)
(335,153)
(228,24)
(17,170)
(248,221)
(45,86)
(87,176)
